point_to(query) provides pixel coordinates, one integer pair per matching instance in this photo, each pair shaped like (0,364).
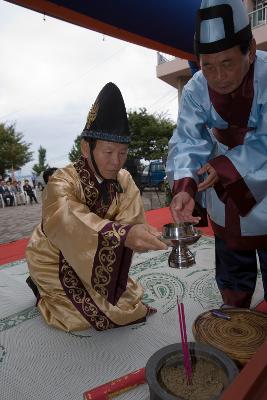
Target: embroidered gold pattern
(92,115)
(81,298)
(110,239)
(103,208)
(90,191)
(107,257)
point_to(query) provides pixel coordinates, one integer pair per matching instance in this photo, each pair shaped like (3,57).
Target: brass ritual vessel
(179,235)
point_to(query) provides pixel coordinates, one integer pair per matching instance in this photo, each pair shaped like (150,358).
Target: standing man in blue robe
(219,148)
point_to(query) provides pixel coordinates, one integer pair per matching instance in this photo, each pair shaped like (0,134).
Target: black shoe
(33,287)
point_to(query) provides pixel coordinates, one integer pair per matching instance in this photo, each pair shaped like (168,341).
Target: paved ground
(18,222)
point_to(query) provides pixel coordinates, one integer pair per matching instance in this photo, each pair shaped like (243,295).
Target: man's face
(226,70)
(109,157)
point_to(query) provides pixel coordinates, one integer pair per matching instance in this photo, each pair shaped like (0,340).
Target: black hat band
(109,137)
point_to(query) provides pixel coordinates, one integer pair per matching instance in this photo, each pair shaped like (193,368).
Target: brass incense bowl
(179,235)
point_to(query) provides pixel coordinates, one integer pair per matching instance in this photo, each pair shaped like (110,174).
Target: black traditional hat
(107,119)
(220,25)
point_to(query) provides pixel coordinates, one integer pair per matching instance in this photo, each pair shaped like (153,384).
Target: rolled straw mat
(239,337)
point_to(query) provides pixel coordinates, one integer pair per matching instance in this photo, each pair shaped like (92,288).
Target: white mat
(39,362)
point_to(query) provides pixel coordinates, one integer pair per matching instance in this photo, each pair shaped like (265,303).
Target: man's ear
(252,51)
(85,148)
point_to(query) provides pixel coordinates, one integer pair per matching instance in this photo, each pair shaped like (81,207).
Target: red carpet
(12,251)
(16,250)
(158,217)
(262,307)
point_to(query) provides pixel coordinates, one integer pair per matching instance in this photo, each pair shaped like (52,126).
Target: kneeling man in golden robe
(92,221)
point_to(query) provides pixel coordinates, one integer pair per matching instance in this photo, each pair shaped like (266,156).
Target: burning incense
(186,354)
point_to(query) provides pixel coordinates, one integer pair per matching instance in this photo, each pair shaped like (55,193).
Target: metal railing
(162,58)
(258,17)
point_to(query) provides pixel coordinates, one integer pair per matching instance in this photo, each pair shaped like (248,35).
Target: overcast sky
(51,72)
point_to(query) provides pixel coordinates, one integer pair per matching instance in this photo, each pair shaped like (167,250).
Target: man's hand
(182,207)
(143,237)
(210,180)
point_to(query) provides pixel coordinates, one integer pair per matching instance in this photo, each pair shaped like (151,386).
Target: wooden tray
(239,337)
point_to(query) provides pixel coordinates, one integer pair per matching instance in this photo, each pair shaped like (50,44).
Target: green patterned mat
(39,362)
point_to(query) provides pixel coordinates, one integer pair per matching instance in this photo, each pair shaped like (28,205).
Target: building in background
(176,72)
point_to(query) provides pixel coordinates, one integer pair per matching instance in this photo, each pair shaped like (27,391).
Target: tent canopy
(164,25)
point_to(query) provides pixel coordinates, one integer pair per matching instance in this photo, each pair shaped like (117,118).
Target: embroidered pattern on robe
(80,298)
(108,252)
(91,189)
(106,281)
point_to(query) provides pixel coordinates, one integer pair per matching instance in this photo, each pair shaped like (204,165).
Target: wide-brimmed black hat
(107,118)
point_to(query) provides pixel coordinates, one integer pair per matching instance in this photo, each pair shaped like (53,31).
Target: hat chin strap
(95,164)
(105,182)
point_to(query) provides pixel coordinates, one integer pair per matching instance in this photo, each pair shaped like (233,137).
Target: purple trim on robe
(235,109)
(123,274)
(80,298)
(234,185)
(221,192)
(236,241)
(231,137)
(82,301)
(92,188)
(187,185)
(111,262)
(232,190)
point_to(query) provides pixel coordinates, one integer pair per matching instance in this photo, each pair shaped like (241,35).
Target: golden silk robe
(77,257)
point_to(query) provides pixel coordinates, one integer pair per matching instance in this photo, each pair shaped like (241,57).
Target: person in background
(48,173)
(33,181)
(20,196)
(220,147)
(11,190)
(5,191)
(29,190)
(93,219)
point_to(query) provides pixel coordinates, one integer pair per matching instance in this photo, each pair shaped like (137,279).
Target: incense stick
(185,349)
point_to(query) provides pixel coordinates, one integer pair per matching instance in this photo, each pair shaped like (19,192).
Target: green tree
(14,152)
(150,134)
(41,166)
(75,152)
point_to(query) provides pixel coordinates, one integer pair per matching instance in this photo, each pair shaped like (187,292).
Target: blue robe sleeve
(191,145)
